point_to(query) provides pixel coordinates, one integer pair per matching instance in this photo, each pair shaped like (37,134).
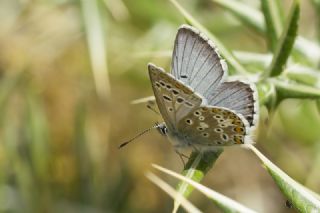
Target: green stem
(196,168)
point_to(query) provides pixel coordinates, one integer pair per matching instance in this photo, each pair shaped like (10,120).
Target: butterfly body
(200,109)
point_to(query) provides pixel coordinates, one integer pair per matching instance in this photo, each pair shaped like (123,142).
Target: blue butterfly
(199,107)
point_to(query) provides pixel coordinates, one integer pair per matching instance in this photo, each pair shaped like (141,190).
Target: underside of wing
(174,99)
(213,126)
(238,96)
(196,62)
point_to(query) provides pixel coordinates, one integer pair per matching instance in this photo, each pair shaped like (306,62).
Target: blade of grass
(310,49)
(82,155)
(280,12)
(307,48)
(294,90)
(118,9)
(196,168)
(253,58)
(222,49)
(304,75)
(97,47)
(38,136)
(8,84)
(189,207)
(143,100)
(184,188)
(18,164)
(312,179)
(273,22)
(98,56)
(316,4)
(267,94)
(224,203)
(286,42)
(245,13)
(300,198)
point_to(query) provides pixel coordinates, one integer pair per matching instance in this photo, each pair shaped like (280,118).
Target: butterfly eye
(219,142)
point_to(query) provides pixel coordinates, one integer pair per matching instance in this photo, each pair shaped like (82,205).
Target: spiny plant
(281,78)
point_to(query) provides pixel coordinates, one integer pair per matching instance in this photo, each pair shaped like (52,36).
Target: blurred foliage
(61,125)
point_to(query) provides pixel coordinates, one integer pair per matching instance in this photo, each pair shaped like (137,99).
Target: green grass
(70,69)
(300,198)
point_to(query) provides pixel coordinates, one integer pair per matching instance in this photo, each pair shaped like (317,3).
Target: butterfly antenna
(140,134)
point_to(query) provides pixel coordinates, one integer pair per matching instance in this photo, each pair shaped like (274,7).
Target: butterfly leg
(181,155)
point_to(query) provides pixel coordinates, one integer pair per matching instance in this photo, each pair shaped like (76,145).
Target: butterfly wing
(174,99)
(196,62)
(238,96)
(213,126)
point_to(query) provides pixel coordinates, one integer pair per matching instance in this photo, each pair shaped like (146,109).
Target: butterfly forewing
(196,62)
(213,126)
(174,99)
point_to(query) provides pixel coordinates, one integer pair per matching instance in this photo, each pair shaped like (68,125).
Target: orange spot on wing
(237,122)
(239,129)
(215,110)
(237,139)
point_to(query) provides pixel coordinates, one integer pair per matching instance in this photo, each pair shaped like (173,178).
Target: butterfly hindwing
(213,126)
(237,96)
(196,61)
(174,99)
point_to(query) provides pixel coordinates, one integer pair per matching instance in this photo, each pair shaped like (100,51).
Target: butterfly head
(162,128)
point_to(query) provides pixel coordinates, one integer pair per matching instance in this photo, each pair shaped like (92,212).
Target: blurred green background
(68,72)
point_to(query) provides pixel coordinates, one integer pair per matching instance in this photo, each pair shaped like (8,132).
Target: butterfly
(199,107)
